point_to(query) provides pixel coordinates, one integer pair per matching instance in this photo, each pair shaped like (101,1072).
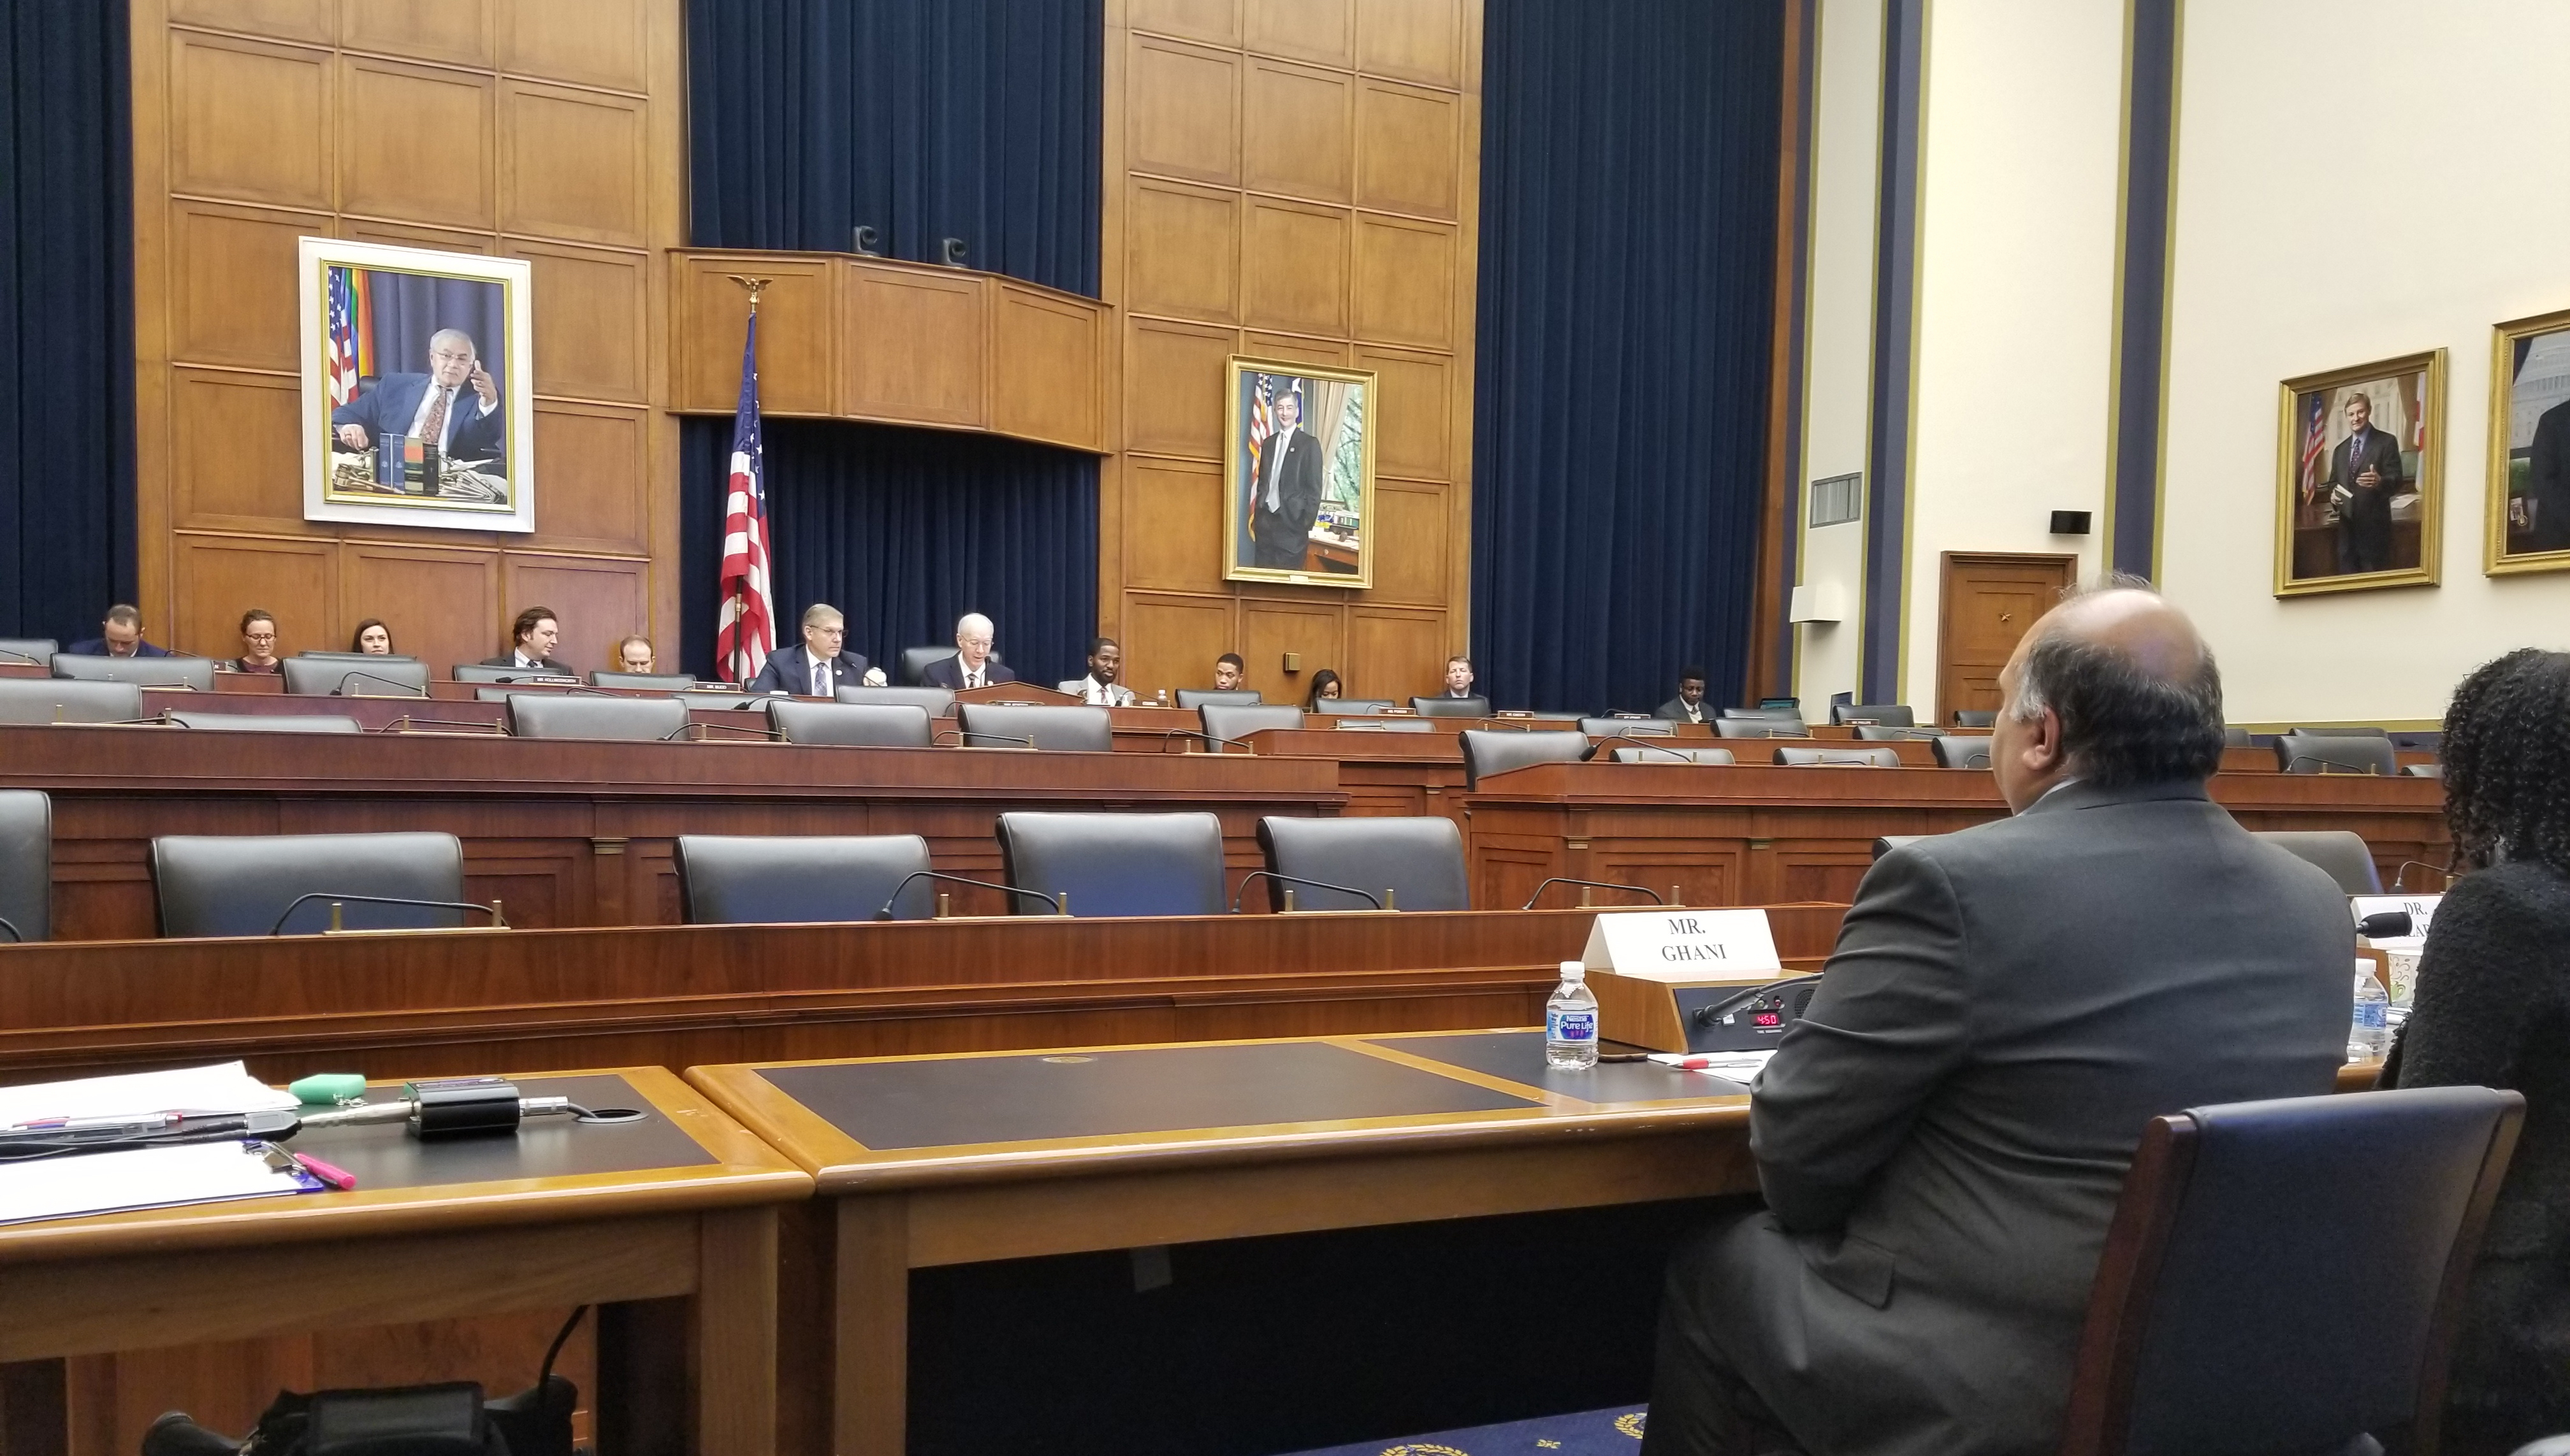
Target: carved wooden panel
(1415,40)
(590,42)
(572,164)
(1182,250)
(1410,525)
(595,601)
(1297,132)
(249,122)
(911,344)
(591,312)
(1330,353)
(1415,405)
(414,143)
(308,21)
(1217,21)
(1320,31)
(415,234)
(1173,525)
(592,456)
(429,30)
(1408,155)
(1184,111)
(1044,368)
(1173,376)
(231,284)
(219,578)
(442,605)
(1294,274)
(1405,282)
(235,451)
(1172,642)
(795,322)
(1393,653)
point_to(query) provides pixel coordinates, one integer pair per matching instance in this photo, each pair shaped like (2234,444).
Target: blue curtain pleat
(1628,216)
(66,317)
(923,120)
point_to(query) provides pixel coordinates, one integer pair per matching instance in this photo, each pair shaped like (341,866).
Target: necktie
(821,679)
(1275,468)
(434,430)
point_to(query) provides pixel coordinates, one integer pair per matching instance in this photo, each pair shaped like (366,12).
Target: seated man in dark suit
(456,404)
(1688,705)
(972,665)
(532,637)
(1944,1136)
(121,635)
(818,668)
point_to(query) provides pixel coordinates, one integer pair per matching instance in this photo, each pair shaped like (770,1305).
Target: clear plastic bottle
(1570,1022)
(2369,1029)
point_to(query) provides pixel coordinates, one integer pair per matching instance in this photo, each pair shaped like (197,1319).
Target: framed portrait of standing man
(2360,492)
(2527,526)
(1298,470)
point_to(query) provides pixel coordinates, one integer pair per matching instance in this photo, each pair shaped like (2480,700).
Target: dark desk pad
(948,1102)
(1519,1057)
(385,1155)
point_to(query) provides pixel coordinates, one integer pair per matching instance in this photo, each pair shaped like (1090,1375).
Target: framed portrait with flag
(2360,489)
(2526,513)
(1298,473)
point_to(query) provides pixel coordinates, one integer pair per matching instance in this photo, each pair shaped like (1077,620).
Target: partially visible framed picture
(418,386)
(2359,477)
(2527,512)
(1298,471)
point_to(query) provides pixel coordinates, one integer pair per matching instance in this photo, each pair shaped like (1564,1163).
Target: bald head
(2113,687)
(2138,625)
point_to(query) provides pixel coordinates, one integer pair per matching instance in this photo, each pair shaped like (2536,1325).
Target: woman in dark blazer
(2493,1009)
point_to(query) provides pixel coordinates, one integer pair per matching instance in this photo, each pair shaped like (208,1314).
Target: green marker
(329,1089)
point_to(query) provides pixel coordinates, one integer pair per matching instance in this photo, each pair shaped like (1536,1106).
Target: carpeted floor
(1615,1431)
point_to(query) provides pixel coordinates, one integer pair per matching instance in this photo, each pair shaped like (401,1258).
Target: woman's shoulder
(2526,893)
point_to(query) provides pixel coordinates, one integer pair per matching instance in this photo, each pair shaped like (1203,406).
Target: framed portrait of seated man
(1298,471)
(418,387)
(2360,495)
(2527,511)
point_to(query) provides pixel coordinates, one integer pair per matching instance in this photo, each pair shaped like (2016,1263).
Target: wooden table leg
(869,1412)
(736,1334)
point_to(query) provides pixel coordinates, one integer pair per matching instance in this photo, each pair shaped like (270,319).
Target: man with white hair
(454,406)
(974,663)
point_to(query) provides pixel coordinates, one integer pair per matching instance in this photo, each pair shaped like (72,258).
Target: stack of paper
(228,1087)
(1737,1067)
(141,1178)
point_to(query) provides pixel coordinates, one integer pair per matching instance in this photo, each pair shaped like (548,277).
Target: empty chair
(1654,753)
(1888,715)
(1474,706)
(938,702)
(29,651)
(1954,751)
(738,880)
(371,678)
(1760,727)
(26,865)
(1016,725)
(650,681)
(63,700)
(1780,710)
(1870,758)
(241,885)
(563,716)
(1976,718)
(863,725)
(2310,753)
(1354,705)
(1115,864)
(2287,1275)
(1884,733)
(1489,751)
(2340,852)
(1627,727)
(2234,737)
(476,672)
(1205,697)
(269,722)
(1885,844)
(1419,860)
(195,672)
(1239,720)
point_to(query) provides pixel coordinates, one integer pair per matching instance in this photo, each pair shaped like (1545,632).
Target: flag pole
(739,652)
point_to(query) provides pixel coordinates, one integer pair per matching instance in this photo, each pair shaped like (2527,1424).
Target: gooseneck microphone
(1372,899)
(407,690)
(493,910)
(885,914)
(1656,897)
(7,926)
(960,734)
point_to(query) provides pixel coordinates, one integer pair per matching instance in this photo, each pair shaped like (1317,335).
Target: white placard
(1684,945)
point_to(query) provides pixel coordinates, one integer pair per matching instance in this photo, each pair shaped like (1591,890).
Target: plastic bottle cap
(1574,970)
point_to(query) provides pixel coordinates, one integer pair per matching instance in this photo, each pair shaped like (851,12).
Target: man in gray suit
(1942,1137)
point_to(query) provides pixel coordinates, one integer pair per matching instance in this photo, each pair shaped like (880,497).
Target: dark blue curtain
(925,119)
(1628,218)
(66,317)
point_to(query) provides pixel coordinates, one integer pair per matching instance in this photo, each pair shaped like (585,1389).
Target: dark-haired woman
(2493,1009)
(1325,685)
(372,637)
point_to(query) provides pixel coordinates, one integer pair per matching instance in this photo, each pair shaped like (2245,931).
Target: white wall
(2272,280)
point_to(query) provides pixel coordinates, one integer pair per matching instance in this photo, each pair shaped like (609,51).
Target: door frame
(1946,562)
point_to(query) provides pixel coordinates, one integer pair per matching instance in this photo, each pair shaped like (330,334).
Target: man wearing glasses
(819,668)
(455,406)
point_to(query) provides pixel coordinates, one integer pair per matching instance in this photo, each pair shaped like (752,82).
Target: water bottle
(1570,1022)
(2368,1032)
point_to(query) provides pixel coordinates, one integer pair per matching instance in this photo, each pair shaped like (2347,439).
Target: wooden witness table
(935,1161)
(680,1204)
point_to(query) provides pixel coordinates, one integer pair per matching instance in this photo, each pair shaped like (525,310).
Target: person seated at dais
(258,644)
(533,638)
(1100,688)
(972,664)
(1688,705)
(821,666)
(633,654)
(1228,670)
(1326,687)
(120,635)
(371,637)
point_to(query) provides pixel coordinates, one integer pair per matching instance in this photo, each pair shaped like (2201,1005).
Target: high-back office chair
(1654,753)
(1870,758)
(371,678)
(1228,697)
(1489,751)
(64,700)
(29,651)
(2234,737)
(192,672)
(268,722)
(1354,707)
(937,702)
(1239,720)
(1886,732)
(26,865)
(1954,751)
(478,672)
(240,884)
(865,725)
(2335,753)
(1115,864)
(2340,852)
(2288,1275)
(1976,718)
(566,715)
(1419,860)
(649,681)
(1888,715)
(915,660)
(1627,727)
(1760,727)
(740,880)
(1020,725)
(330,654)
(1475,706)
(1762,711)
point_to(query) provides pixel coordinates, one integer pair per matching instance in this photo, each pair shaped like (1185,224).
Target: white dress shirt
(820,674)
(1100,694)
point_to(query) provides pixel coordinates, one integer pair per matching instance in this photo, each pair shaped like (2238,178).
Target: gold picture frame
(1321,529)
(2525,515)
(2333,531)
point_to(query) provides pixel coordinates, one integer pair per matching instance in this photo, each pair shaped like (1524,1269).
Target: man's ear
(2045,740)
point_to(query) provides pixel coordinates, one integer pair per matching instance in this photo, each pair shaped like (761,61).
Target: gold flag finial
(754,285)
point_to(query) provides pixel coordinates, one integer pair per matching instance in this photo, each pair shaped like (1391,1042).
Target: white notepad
(141,1178)
(223,1087)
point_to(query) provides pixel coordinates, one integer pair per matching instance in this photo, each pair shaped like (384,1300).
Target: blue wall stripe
(1896,294)
(2150,143)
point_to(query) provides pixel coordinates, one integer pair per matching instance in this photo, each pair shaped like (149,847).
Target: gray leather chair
(2335,753)
(1353,706)
(1887,733)
(645,682)
(566,715)
(1419,860)
(2340,852)
(708,700)
(1058,730)
(1870,758)
(1627,727)
(1376,725)
(26,864)
(268,722)
(29,651)
(239,885)
(1239,720)
(1885,844)
(1888,715)
(2235,738)
(1226,697)
(863,725)
(1760,727)
(937,702)
(1115,864)
(64,700)
(1474,706)
(1959,752)
(1489,751)
(1977,717)
(740,880)
(1760,712)
(476,672)
(316,654)
(371,677)
(1653,753)
(195,672)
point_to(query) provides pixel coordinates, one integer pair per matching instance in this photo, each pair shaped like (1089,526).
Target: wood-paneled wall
(544,130)
(1295,179)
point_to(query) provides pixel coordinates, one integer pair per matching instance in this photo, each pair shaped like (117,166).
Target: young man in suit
(2366,466)
(820,667)
(1100,688)
(1228,670)
(121,635)
(1286,497)
(972,665)
(531,638)
(1688,705)
(1943,1135)
(456,403)
(1459,678)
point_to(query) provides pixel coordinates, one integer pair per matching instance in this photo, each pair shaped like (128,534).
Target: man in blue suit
(121,635)
(817,669)
(456,403)
(974,663)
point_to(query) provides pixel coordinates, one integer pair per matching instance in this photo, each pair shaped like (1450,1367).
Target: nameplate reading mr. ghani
(1684,945)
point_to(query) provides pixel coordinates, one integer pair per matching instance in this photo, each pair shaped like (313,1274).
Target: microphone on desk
(1373,900)
(2400,876)
(1656,897)
(764,734)
(2330,765)
(885,914)
(1628,741)
(492,909)
(961,734)
(2385,925)
(15,656)
(1214,738)
(408,690)
(6,924)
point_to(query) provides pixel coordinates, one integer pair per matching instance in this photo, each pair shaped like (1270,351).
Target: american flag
(746,633)
(344,368)
(2316,442)
(1261,425)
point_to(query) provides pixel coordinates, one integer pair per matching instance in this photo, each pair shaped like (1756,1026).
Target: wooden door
(1984,605)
